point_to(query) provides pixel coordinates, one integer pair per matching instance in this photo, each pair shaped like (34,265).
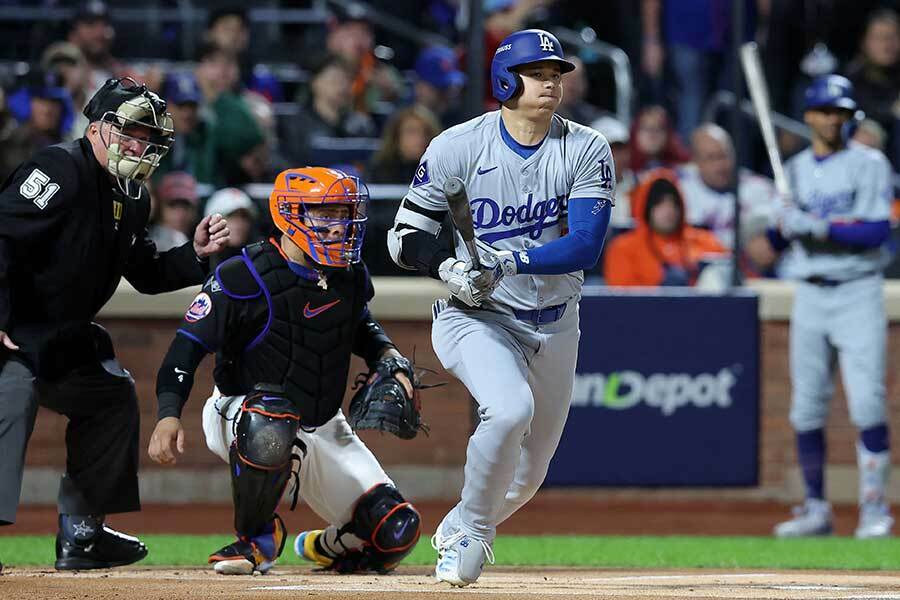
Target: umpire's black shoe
(108,548)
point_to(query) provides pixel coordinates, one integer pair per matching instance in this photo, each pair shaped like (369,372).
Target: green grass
(580,551)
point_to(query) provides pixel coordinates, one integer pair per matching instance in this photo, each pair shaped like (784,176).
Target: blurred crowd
(369,101)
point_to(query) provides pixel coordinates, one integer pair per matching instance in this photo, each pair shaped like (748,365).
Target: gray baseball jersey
(517,203)
(851,185)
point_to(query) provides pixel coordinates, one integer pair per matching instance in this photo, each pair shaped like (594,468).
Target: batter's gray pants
(521,375)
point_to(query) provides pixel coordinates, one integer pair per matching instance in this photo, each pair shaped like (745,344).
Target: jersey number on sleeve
(605,175)
(37,187)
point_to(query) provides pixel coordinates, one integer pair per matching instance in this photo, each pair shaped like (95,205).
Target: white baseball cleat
(460,557)
(242,567)
(875,520)
(813,517)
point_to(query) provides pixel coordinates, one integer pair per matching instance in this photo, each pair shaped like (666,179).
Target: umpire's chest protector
(302,334)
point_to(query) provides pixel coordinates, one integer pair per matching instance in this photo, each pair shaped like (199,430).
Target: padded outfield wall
(431,467)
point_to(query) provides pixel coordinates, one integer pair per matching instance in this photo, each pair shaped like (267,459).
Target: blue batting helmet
(830,91)
(521,48)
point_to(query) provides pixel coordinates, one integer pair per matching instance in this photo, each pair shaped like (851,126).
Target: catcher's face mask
(323,211)
(135,129)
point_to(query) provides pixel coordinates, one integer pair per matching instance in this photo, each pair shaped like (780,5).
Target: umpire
(72,224)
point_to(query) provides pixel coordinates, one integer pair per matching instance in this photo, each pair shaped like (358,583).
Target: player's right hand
(7,341)
(168,433)
(795,223)
(462,281)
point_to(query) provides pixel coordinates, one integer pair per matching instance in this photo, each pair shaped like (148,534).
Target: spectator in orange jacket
(663,249)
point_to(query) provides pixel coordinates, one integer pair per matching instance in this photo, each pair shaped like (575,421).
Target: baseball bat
(759,94)
(461,215)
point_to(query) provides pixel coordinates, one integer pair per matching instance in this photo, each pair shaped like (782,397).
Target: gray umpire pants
(102,442)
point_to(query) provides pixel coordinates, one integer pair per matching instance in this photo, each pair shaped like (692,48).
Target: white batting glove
(464,283)
(501,263)
(495,265)
(795,223)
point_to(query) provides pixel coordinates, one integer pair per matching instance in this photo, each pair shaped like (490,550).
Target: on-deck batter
(836,233)
(510,333)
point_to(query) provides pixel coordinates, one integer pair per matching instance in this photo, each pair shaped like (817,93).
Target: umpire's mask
(135,129)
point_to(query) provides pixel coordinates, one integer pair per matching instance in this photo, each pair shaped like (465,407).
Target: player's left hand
(388,400)
(211,235)
(400,376)
(796,223)
(495,265)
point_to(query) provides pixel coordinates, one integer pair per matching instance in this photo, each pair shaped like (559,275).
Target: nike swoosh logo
(177,370)
(480,172)
(398,535)
(309,313)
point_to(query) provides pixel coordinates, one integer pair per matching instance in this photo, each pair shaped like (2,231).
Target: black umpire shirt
(67,236)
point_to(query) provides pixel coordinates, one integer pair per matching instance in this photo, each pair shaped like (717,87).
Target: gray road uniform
(839,317)
(839,306)
(515,353)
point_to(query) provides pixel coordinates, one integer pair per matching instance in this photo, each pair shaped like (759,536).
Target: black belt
(821,281)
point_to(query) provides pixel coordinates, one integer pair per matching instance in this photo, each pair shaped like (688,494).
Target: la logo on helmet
(546,43)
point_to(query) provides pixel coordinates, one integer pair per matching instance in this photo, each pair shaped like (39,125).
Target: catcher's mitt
(381,402)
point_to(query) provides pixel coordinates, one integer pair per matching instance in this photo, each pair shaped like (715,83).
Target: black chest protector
(294,332)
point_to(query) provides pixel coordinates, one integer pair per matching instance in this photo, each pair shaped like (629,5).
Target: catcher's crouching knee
(388,525)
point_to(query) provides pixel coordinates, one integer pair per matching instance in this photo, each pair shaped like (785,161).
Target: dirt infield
(296,582)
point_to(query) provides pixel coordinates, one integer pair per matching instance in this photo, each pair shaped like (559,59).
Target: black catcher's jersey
(269,320)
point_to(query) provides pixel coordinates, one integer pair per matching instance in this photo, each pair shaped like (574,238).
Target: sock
(875,439)
(873,457)
(270,540)
(80,529)
(811,455)
(335,542)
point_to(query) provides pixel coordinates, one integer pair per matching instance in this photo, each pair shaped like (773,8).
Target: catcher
(283,318)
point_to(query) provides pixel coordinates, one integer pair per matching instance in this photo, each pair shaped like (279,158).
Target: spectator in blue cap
(193,150)
(438,82)
(69,63)
(44,108)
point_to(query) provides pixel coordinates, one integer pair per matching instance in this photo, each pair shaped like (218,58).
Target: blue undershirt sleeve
(576,251)
(864,234)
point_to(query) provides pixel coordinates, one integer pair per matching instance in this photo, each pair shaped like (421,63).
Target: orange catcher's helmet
(331,240)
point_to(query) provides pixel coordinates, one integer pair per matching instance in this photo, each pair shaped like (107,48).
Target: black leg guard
(261,457)
(389,527)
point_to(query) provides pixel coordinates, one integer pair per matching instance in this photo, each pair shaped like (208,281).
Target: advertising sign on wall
(666,393)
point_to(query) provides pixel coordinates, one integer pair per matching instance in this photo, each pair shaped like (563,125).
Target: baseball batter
(541,190)
(835,232)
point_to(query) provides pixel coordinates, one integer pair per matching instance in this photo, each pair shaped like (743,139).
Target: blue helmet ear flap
(507,84)
(849,128)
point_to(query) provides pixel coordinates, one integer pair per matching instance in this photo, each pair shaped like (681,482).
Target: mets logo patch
(199,308)
(422,177)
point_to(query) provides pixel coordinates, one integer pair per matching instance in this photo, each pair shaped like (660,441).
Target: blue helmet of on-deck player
(829,91)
